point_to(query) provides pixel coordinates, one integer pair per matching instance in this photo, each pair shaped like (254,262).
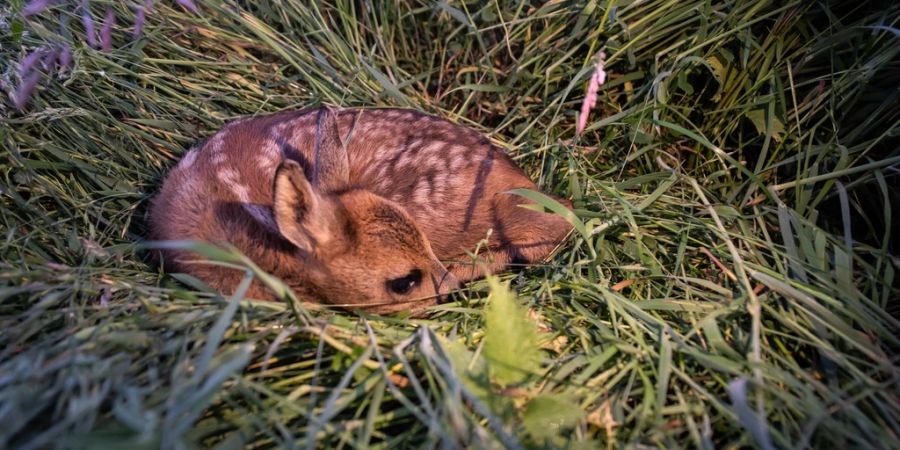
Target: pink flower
(590,98)
(106,31)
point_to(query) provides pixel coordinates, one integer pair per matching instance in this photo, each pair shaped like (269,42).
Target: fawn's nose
(445,285)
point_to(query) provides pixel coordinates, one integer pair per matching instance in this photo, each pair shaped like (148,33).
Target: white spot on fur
(421,200)
(396,113)
(420,197)
(219,158)
(424,186)
(269,157)
(238,121)
(279,130)
(435,148)
(440,180)
(458,160)
(230,178)
(217,142)
(188,159)
(259,212)
(288,127)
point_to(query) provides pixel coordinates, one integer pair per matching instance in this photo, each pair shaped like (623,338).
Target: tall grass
(731,283)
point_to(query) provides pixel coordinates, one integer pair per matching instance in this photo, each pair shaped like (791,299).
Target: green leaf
(192,282)
(511,339)
(468,367)
(718,69)
(758,117)
(15,30)
(389,87)
(168,125)
(547,415)
(481,88)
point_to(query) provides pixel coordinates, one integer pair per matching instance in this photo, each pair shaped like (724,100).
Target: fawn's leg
(520,236)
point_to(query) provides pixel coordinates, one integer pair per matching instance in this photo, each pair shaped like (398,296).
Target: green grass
(736,184)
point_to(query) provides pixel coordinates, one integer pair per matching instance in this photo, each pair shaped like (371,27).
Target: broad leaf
(547,415)
(511,339)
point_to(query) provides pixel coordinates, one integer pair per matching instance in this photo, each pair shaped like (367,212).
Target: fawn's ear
(331,170)
(302,215)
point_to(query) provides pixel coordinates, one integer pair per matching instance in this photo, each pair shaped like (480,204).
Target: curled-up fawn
(355,208)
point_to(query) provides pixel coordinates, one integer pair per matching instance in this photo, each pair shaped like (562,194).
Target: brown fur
(406,191)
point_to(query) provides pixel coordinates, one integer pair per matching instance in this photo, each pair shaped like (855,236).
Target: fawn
(354,208)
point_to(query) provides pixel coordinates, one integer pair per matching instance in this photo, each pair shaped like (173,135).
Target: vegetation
(731,282)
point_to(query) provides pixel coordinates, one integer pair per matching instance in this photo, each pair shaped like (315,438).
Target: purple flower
(22,95)
(106,31)
(590,99)
(188,4)
(50,59)
(138,21)
(65,57)
(35,7)
(28,62)
(89,30)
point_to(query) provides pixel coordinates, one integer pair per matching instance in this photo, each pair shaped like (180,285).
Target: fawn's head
(360,249)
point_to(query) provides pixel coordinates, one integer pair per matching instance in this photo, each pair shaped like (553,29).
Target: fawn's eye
(405,284)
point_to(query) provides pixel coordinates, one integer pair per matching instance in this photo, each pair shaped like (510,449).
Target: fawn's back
(410,187)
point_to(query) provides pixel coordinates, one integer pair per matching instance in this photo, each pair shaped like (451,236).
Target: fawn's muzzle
(444,285)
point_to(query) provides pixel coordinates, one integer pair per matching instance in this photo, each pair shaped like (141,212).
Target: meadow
(731,281)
